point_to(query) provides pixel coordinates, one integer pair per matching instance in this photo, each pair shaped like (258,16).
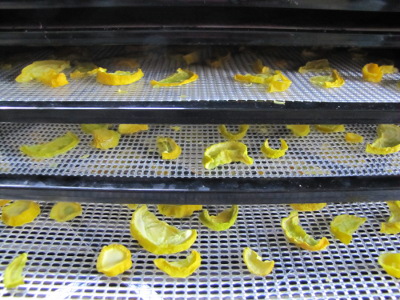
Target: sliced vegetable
(37,69)
(234,136)
(372,73)
(319,65)
(131,128)
(56,147)
(105,139)
(223,221)
(388,140)
(390,262)
(65,211)
(344,226)
(330,128)
(353,138)
(132,206)
(89,128)
(308,206)
(332,81)
(53,79)
(168,148)
(225,153)
(388,69)
(299,130)
(296,234)
(277,82)
(118,77)
(20,212)
(113,260)
(181,77)
(274,153)
(259,67)
(85,69)
(158,237)
(4,202)
(192,57)
(178,211)
(255,264)
(13,274)
(181,268)
(392,226)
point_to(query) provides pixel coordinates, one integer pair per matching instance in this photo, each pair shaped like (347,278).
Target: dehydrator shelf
(62,257)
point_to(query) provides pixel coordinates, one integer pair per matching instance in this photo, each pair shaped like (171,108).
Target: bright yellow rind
(225,153)
(131,128)
(343,227)
(274,153)
(390,262)
(296,234)
(105,139)
(178,211)
(254,263)
(308,206)
(330,128)
(168,148)
(234,136)
(278,82)
(113,260)
(299,130)
(4,202)
(118,77)
(223,221)
(20,212)
(181,268)
(13,273)
(392,226)
(353,138)
(372,73)
(332,81)
(65,211)
(181,77)
(316,66)
(37,69)
(388,140)
(157,236)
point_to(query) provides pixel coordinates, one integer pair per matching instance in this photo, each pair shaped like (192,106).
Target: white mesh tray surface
(62,257)
(214,84)
(316,155)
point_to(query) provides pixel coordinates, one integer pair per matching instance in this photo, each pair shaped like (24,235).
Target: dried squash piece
(233,136)
(56,147)
(113,260)
(192,57)
(178,211)
(274,153)
(296,234)
(392,226)
(133,206)
(307,206)
(89,128)
(344,226)
(131,128)
(259,67)
(4,202)
(20,212)
(353,138)
(65,211)
(222,221)
(37,69)
(53,79)
(248,78)
(225,153)
(255,264)
(299,130)
(277,82)
(332,81)
(330,128)
(388,140)
(372,73)
(85,69)
(105,139)
(388,69)
(168,148)
(13,273)
(390,262)
(181,77)
(118,77)
(157,236)
(181,268)
(319,65)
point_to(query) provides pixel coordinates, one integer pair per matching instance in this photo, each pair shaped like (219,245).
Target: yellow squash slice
(84,69)
(388,69)
(330,128)
(353,138)
(131,128)
(56,147)
(234,136)
(255,264)
(225,153)
(13,274)
(248,78)
(296,234)
(20,212)
(259,67)
(319,65)
(332,81)
(157,236)
(392,226)
(390,262)
(118,77)
(65,211)
(105,139)
(372,73)
(53,79)
(113,260)
(37,69)
(274,153)
(223,221)
(132,206)
(344,226)
(181,268)
(277,82)
(308,206)
(4,202)
(89,128)
(168,148)
(178,211)
(299,130)
(181,77)
(388,140)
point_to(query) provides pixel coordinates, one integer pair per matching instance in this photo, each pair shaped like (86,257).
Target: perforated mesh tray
(214,84)
(317,155)
(62,257)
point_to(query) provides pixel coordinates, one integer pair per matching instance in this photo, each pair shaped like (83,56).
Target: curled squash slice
(319,65)
(20,212)
(274,153)
(65,211)
(299,130)
(392,226)
(353,138)
(89,128)
(307,206)
(296,234)
(332,81)
(255,264)
(84,69)
(223,221)
(344,226)
(51,149)
(181,77)
(225,153)
(390,262)
(53,79)
(388,140)
(113,260)
(277,82)
(178,211)
(259,67)
(181,268)
(118,77)
(157,236)
(372,73)
(234,136)
(105,139)
(330,128)
(42,68)
(13,274)
(168,148)
(131,128)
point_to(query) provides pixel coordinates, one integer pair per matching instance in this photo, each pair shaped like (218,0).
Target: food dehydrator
(320,167)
